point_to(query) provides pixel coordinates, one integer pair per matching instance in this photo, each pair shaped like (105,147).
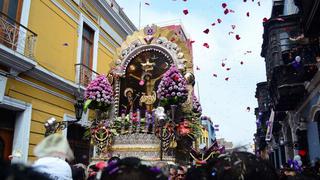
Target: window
(87,46)
(11,8)
(86,55)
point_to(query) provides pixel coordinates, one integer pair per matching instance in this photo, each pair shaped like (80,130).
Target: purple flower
(173,85)
(100,90)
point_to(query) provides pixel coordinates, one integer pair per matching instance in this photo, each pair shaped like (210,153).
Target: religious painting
(138,87)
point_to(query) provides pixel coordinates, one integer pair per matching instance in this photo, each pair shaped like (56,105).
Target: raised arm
(134,76)
(156,79)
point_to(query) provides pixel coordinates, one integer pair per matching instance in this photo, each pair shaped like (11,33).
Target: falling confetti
(231,32)
(185,11)
(141,82)
(259,3)
(191,42)
(233,26)
(148,4)
(223,64)
(215,75)
(206,31)
(238,37)
(248,14)
(219,21)
(228,69)
(248,109)
(247,52)
(226,11)
(241,62)
(265,19)
(224,5)
(206,45)
(213,24)
(227,78)
(231,11)
(197,68)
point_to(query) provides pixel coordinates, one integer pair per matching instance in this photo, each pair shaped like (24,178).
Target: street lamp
(52,126)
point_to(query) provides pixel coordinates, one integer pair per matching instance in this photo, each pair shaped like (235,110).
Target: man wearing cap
(53,151)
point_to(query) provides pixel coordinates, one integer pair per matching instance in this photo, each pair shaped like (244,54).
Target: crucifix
(149,96)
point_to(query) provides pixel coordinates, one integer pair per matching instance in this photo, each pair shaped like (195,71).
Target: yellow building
(204,137)
(49,51)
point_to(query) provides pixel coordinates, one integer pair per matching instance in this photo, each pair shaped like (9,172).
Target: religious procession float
(146,107)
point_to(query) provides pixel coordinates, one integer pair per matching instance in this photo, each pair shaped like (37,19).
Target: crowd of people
(54,153)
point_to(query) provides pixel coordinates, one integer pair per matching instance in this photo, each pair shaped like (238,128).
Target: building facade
(291,51)
(228,145)
(49,51)
(209,135)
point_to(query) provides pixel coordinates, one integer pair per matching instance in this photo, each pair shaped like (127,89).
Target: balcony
(17,37)
(17,45)
(84,75)
(283,43)
(262,95)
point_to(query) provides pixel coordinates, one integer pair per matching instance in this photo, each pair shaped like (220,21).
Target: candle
(148,120)
(138,119)
(153,117)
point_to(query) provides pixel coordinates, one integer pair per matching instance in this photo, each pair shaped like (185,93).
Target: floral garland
(99,94)
(172,88)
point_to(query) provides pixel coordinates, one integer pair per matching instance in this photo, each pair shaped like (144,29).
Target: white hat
(55,145)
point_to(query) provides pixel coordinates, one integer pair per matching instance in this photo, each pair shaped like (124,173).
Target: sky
(224,101)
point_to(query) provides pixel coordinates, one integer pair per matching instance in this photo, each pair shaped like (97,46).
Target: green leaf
(86,105)
(114,131)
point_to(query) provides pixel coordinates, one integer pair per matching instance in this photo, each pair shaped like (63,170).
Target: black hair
(131,169)
(240,165)
(180,168)
(19,172)
(78,173)
(113,159)
(196,173)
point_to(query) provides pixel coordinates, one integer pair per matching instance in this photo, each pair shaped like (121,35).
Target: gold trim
(135,149)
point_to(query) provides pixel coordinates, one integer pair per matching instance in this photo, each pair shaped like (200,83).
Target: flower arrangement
(183,128)
(99,94)
(189,127)
(125,124)
(196,106)
(172,88)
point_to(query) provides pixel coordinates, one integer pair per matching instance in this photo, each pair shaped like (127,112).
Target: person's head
(113,159)
(147,76)
(78,172)
(172,172)
(55,145)
(181,173)
(163,166)
(131,169)
(20,172)
(198,173)
(237,165)
(128,92)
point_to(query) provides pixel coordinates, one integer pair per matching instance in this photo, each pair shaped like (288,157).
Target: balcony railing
(84,74)
(16,36)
